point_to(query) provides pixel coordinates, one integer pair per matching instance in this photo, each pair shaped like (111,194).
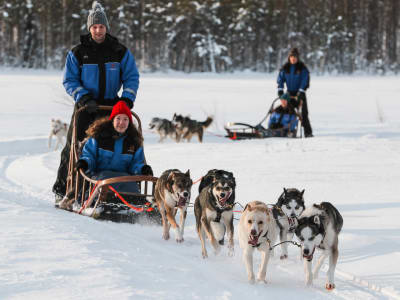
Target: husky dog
(257,230)
(59,129)
(187,127)
(213,209)
(164,128)
(286,211)
(319,227)
(172,192)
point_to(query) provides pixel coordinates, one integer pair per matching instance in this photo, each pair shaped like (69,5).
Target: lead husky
(213,209)
(172,192)
(59,129)
(289,207)
(319,227)
(257,230)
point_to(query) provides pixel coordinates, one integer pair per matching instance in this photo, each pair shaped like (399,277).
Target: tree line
(341,36)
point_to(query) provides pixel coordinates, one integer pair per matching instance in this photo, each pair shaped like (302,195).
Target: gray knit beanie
(97,15)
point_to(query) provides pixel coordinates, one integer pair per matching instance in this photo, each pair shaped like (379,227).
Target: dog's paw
(309,282)
(284,256)
(252,281)
(166,236)
(330,286)
(231,252)
(179,239)
(205,255)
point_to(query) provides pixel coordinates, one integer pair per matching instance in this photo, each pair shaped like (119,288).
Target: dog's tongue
(292,222)
(253,240)
(222,201)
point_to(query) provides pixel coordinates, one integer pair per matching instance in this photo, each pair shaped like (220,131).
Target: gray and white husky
(287,209)
(319,227)
(59,129)
(164,128)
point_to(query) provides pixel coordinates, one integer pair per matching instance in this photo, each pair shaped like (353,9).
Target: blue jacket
(296,77)
(101,70)
(99,159)
(281,119)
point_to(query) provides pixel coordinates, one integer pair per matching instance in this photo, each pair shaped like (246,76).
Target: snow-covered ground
(353,161)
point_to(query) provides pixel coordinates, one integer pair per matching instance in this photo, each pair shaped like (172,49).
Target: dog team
(316,227)
(180,128)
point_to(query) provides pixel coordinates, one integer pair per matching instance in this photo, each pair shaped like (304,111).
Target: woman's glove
(147,170)
(82,164)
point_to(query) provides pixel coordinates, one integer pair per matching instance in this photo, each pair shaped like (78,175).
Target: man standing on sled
(94,72)
(297,78)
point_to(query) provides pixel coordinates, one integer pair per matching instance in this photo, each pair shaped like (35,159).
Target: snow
(353,161)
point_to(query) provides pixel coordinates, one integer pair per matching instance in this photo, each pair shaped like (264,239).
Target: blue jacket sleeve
(137,162)
(281,80)
(72,80)
(130,76)
(304,80)
(89,154)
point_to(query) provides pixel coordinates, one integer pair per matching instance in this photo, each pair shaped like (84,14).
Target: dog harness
(220,211)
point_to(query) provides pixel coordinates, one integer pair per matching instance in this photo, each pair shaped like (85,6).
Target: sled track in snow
(188,253)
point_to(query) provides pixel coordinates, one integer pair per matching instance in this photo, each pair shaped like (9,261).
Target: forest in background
(333,36)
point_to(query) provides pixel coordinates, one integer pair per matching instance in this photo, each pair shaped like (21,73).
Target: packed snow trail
(53,253)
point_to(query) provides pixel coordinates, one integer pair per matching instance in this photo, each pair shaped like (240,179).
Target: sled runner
(241,131)
(99,199)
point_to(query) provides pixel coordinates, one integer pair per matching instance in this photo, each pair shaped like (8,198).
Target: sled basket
(241,131)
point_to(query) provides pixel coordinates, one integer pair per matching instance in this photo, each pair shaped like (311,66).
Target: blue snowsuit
(109,154)
(282,118)
(101,70)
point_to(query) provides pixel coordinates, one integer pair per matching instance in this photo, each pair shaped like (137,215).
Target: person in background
(283,117)
(296,76)
(95,70)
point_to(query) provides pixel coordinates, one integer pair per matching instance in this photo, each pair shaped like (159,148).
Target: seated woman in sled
(114,148)
(283,121)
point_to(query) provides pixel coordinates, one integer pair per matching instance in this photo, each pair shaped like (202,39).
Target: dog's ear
(187,173)
(302,192)
(170,181)
(248,207)
(284,191)
(316,220)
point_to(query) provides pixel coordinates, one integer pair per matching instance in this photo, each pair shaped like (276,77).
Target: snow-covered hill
(353,162)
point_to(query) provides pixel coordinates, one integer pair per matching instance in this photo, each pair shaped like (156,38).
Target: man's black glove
(147,170)
(81,164)
(128,102)
(280,93)
(301,96)
(88,101)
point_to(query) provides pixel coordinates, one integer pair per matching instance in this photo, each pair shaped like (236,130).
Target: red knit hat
(121,108)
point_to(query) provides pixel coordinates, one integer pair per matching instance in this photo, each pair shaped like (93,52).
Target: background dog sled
(241,131)
(88,194)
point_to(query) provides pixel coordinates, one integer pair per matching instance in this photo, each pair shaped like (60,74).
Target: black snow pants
(304,116)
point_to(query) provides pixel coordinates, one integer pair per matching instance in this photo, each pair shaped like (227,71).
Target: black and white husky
(319,227)
(164,128)
(289,207)
(59,129)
